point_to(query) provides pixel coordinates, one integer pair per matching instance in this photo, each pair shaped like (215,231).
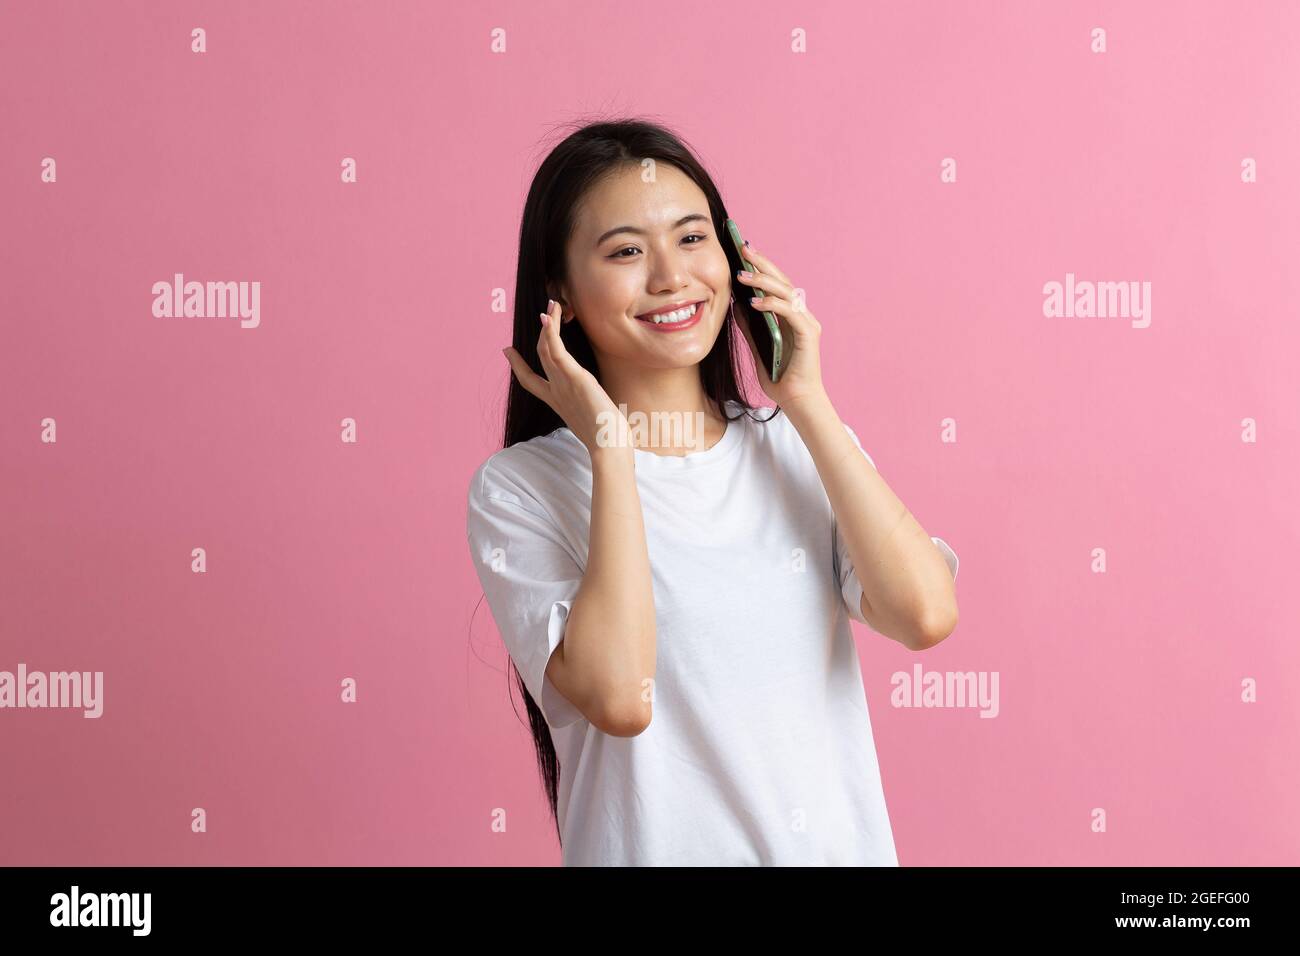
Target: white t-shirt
(760,750)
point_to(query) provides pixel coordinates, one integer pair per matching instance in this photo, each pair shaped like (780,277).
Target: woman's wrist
(612,457)
(808,407)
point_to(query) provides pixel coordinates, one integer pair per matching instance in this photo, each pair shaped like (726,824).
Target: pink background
(327,560)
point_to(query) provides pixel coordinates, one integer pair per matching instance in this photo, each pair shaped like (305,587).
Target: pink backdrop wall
(1120,690)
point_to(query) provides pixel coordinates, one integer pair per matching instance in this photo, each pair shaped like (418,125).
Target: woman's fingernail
(550,304)
(505,351)
(546,319)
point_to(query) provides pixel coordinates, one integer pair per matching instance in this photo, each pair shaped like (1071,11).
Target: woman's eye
(694,235)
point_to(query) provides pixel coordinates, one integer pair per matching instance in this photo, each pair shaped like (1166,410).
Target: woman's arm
(608,648)
(908,592)
(609,640)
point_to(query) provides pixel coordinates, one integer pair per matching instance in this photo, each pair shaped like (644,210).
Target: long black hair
(574,166)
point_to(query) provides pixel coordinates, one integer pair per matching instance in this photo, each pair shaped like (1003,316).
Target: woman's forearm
(609,640)
(905,580)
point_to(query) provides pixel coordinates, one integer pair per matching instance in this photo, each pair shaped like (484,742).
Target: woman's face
(617,274)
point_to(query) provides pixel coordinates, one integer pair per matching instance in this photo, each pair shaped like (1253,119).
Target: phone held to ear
(767,340)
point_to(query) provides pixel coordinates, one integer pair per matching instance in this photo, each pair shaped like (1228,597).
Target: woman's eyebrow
(692,217)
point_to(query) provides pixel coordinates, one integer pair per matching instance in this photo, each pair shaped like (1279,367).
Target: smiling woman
(678,617)
(659,268)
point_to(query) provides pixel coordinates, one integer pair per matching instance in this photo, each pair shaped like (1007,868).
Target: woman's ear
(566,314)
(553,292)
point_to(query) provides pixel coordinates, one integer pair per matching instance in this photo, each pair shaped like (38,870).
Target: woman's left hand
(800,334)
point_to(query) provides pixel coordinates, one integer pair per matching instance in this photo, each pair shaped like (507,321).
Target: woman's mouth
(675,320)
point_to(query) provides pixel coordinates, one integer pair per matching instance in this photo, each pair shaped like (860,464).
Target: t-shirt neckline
(722,449)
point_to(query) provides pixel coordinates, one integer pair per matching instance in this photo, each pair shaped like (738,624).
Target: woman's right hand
(572,392)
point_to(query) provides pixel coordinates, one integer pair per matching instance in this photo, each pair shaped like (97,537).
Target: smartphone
(767,340)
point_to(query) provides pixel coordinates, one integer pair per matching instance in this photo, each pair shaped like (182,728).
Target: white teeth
(679,316)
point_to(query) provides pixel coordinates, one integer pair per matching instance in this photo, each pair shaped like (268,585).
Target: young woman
(677,612)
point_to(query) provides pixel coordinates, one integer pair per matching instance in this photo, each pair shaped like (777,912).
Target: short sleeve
(530,579)
(850,586)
